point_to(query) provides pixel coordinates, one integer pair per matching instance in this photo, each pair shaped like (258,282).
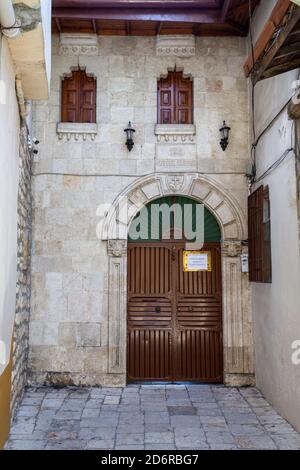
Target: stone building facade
(79,277)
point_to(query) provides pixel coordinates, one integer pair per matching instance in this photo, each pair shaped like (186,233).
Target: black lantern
(224,135)
(129,134)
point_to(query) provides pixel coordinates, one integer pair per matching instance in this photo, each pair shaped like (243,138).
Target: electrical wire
(274,165)
(253,147)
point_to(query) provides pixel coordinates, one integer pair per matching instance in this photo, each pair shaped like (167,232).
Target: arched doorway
(174,314)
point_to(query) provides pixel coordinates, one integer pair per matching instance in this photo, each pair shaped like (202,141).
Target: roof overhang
(277,49)
(136,17)
(31,50)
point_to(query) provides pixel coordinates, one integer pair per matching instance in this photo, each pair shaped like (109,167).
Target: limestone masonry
(78,323)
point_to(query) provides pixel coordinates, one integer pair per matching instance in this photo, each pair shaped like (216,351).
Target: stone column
(237,331)
(117,251)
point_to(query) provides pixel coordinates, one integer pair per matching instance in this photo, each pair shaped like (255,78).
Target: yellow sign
(194,261)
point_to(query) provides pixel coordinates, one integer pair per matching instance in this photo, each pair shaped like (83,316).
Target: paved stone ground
(168,417)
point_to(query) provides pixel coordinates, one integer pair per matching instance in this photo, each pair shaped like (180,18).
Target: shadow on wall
(5,396)
(5,386)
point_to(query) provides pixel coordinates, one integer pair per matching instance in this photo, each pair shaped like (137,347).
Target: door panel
(149,313)
(174,318)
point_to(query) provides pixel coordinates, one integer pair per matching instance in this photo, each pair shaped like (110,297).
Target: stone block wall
(23,288)
(69,307)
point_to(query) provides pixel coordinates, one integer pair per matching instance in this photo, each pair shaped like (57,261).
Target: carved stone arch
(225,208)
(237,332)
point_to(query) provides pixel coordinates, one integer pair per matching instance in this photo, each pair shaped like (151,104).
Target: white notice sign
(196,261)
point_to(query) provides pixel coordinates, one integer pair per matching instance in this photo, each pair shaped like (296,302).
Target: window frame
(177,82)
(260,247)
(78,78)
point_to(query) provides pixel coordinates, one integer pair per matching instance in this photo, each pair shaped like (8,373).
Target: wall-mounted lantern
(224,136)
(129,136)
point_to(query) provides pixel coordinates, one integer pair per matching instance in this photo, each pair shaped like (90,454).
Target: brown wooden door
(174,318)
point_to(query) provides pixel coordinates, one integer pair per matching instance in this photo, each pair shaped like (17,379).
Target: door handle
(157,309)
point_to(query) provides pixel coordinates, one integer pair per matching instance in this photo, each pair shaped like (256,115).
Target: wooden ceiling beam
(268,31)
(128,28)
(159,27)
(226,7)
(135,4)
(238,27)
(57,22)
(263,68)
(287,50)
(127,14)
(94,26)
(277,69)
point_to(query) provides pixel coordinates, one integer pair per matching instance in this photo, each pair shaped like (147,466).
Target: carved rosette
(78,50)
(117,248)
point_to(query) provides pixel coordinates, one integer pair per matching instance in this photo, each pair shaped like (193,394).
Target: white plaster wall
(276,306)
(46,7)
(69,329)
(9,176)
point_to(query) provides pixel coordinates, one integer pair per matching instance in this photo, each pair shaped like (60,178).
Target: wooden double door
(174,317)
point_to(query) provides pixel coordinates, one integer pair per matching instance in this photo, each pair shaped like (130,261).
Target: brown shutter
(87,99)
(266,249)
(78,103)
(175,99)
(166,102)
(70,98)
(184,100)
(255,221)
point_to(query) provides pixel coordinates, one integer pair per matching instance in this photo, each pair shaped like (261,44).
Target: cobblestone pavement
(169,417)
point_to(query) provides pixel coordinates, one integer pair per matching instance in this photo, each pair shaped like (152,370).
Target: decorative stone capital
(178,46)
(76,131)
(232,249)
(117,248)
(175,133)
(78,44)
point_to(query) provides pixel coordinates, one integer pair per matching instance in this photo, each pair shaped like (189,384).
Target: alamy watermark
(157,221)
(2,92)
(296,353)
(295,87)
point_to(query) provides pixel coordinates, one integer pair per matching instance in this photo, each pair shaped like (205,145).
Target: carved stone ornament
(178,46)
(232,249)
(117,248)
(175,133)
(78,44)
(175,183)
(77,131)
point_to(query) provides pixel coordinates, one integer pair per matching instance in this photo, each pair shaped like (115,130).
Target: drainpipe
(8,19)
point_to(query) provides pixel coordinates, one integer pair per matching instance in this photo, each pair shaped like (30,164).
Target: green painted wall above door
(148,223)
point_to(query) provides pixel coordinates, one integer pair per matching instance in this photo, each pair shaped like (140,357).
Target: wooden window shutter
(166,102)
(175,99)
(184,100)
(259,236)
(78,103)
(87,99)
(70,98)
(255,221)
(266,249)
